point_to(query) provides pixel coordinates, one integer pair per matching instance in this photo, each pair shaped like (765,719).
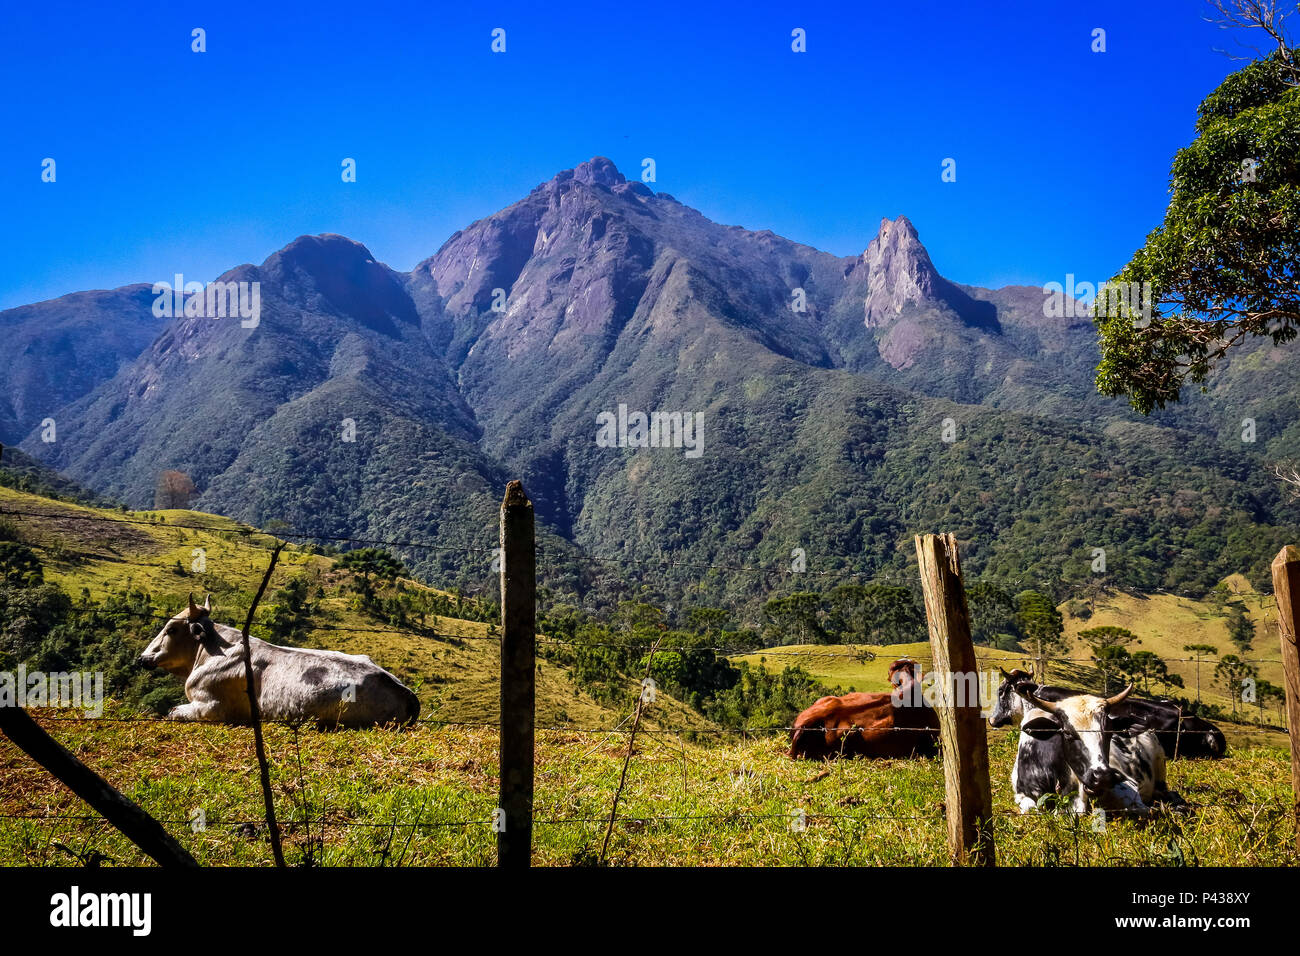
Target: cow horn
(194,608)
(207,603)
(1028,695)
(1005,675)
(1112,701)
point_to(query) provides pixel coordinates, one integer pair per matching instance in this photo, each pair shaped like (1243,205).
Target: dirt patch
(72,534)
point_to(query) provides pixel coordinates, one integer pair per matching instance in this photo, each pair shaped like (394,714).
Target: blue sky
(173,161)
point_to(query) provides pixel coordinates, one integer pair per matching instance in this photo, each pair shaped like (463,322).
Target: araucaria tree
(1225,263)
(1041,627)
(1231,674)
(1108,652)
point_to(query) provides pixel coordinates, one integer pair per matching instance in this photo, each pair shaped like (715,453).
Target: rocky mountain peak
(320,253)
(598,171)
(898,271)
(339,274)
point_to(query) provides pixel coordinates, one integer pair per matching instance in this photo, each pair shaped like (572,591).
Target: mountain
(823,386)
(60,350)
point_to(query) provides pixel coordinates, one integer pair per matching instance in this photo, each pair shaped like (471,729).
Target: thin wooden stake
(968,796)
(627,759)
(518,677)
(255,714)
(1286,589)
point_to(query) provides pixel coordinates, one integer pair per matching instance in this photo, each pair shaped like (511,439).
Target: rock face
(898,272)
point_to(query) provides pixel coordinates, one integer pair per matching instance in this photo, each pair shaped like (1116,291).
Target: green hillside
(99,556)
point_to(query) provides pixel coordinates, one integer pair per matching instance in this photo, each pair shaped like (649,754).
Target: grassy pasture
(706,804)
(424,796)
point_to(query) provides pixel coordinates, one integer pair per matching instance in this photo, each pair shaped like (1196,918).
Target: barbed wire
(491,723)
(1056,814)
(698,566)
(210,823)
(876,651)
(868,652)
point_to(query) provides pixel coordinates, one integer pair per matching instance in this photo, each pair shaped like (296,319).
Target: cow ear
(1040,726)
(1124,725)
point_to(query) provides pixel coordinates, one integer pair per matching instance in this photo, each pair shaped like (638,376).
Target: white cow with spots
(328,688)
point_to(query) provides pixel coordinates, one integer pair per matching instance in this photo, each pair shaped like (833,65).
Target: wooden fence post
(1286,589)
(136,825)
(968,797)
(518,677)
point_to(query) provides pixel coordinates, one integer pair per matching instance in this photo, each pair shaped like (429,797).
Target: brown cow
(900,724)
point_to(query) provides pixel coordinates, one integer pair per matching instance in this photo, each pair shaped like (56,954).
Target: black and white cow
(1040,767)
(1180,734)
(1114,764)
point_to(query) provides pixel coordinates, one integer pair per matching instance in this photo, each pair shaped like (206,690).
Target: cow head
(1010,706)
(902,671)
(1085,726)
(177,644)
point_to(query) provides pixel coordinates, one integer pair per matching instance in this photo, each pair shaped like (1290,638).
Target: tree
(1108,651)
(1146,668)
(1112,663)
(1267,692)
(760,699)
(874,614)
(637,617)
(19,565)
(1107,636)
(366,562)
(1230,672)
(1240,631)
(1041,627)
(290,617)
(27,615)
(1288,472)
(795,619)
(1221,268)
(1200,652)
(174,490)
(992,613)
(707,620)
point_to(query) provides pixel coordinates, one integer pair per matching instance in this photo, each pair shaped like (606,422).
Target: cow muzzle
(145,662)
(1100,780)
